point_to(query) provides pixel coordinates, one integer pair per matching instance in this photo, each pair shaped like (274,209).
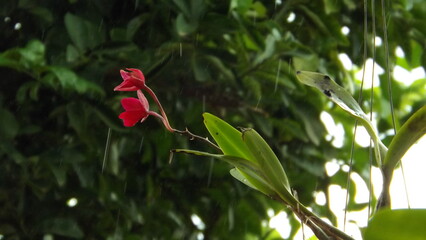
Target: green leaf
(331,6)
(269,49)
(184,26)
(134,25)
(30,57)
(344,100)
(399,224)
(8,125)
(269,176)
(72,53)
(84,34)
(410,132)
(69,81)
(227,137)
(33,53)
(239,176)
(267,160)
(306,61)
(241,5)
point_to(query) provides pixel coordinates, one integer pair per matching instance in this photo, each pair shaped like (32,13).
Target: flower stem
(186,132)
(192,136)
(160,107)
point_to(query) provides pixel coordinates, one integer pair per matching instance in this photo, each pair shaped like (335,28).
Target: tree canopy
(71,169)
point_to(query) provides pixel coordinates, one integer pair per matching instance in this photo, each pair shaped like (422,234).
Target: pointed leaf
(344,100)
(267,160)
(410,132)
(240,177)
(227,137)
(397,225)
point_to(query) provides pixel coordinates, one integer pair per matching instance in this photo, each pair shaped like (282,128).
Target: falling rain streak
(141,144)
(209,178)
(278,75)
(107,148)
(204,103)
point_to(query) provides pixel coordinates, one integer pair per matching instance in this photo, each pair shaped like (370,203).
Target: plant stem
(160,107)
(192,136)
(185,132)
(321,229)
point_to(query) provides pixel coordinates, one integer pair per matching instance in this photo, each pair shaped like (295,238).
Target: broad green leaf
(227,137)
(331,6)
(306,61)
(30,57)
(239,176)
(241,5)
(344,100)
(9,126)
(84,34)
(259,10)
(184,26)
(251,147)
(399,224)
(183,7)
(134,25)
(72,53)
(267,160)
(5,61)
(410,132)
(70,81)
(33,54)
(269,49)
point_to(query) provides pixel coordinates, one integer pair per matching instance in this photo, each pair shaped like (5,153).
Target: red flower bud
(132,81)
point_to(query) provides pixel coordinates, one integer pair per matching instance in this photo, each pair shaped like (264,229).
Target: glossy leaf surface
(399,224)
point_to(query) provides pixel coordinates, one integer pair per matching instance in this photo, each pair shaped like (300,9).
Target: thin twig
(192,136)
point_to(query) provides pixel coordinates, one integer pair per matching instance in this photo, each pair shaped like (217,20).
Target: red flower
(132,81)
(137,109)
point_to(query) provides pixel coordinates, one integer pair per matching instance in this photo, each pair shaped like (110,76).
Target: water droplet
(72,202)
(17,26)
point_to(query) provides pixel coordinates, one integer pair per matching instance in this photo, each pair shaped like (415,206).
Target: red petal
(136,73)
(126,85)
(143,100)
(124,75)
(131,118)
(132,104)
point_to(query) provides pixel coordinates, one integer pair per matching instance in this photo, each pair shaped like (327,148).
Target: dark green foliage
(235,59)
